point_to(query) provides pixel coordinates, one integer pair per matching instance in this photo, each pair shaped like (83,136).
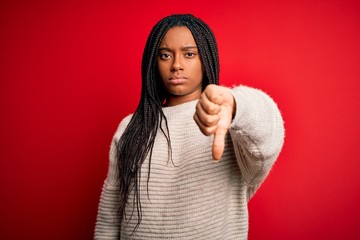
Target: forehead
(178,36)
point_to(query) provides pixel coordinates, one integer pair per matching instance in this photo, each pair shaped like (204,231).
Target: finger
(204,129)
(208,106)
(215,94)
(219,143)
(206,119)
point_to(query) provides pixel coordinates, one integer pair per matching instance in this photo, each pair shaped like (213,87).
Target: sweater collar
(188,106)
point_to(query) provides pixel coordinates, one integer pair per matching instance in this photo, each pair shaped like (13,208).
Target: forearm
(257,132)
(108,220)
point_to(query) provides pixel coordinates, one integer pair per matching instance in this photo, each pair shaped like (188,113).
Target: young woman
(185,164)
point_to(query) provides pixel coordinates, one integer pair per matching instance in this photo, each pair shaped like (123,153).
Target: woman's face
(180,66)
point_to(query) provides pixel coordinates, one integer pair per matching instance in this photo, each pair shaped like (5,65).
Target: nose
(176,64)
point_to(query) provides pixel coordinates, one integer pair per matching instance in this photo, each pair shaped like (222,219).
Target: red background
(69,72)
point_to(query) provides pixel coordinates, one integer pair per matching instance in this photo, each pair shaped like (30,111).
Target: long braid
(138,139)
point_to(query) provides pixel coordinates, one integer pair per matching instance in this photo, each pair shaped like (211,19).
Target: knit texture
(191,196)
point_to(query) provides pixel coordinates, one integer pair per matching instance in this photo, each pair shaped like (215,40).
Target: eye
(164,56)
(190,54)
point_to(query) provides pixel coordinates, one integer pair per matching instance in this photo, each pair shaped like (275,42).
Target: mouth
(177,80)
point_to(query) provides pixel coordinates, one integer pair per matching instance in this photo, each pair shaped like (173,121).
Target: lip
(177,80)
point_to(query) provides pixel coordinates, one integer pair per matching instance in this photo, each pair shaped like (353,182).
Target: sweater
(191,196)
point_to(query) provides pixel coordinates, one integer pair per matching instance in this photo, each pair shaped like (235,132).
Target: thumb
(219,143)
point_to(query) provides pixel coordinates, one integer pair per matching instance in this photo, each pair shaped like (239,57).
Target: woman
(185,164)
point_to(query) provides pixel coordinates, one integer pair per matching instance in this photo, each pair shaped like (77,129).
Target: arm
(257,132)
(108,220)
(254,123)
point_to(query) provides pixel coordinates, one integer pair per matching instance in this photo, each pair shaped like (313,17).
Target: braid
(138,139)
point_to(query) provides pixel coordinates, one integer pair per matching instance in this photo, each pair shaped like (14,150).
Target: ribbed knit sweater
(193,197)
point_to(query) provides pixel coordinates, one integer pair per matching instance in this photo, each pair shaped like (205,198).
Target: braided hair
(138,139)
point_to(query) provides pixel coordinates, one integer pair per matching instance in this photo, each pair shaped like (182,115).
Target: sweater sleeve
(257,132)
(108,220)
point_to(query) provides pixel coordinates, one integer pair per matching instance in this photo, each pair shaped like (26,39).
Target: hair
(137,141)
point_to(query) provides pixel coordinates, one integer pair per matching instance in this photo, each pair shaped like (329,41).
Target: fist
(214,113)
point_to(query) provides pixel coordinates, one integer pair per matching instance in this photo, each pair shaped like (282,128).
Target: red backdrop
(69,72)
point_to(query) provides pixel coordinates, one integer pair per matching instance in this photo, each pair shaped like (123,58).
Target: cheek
(161,70)
(200,71)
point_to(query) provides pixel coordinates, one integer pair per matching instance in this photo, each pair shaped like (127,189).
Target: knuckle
(207,121)
(206,131)
(211,121)
(197,107)
(212,86)
(211,108)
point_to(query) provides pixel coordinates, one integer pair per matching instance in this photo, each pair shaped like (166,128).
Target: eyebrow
(183,48)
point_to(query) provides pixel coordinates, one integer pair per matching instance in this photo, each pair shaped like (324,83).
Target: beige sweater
(193,197)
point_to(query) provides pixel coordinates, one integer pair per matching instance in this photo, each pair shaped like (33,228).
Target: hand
(214,113)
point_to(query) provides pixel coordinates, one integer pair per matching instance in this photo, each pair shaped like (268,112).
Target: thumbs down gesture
(214,113)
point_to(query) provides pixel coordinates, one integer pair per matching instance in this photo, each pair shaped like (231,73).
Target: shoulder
(122,126)
(250,96)
(247,90)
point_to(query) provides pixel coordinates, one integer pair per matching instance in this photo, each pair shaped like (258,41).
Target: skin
(181,72)
(214,112)
(180,66)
